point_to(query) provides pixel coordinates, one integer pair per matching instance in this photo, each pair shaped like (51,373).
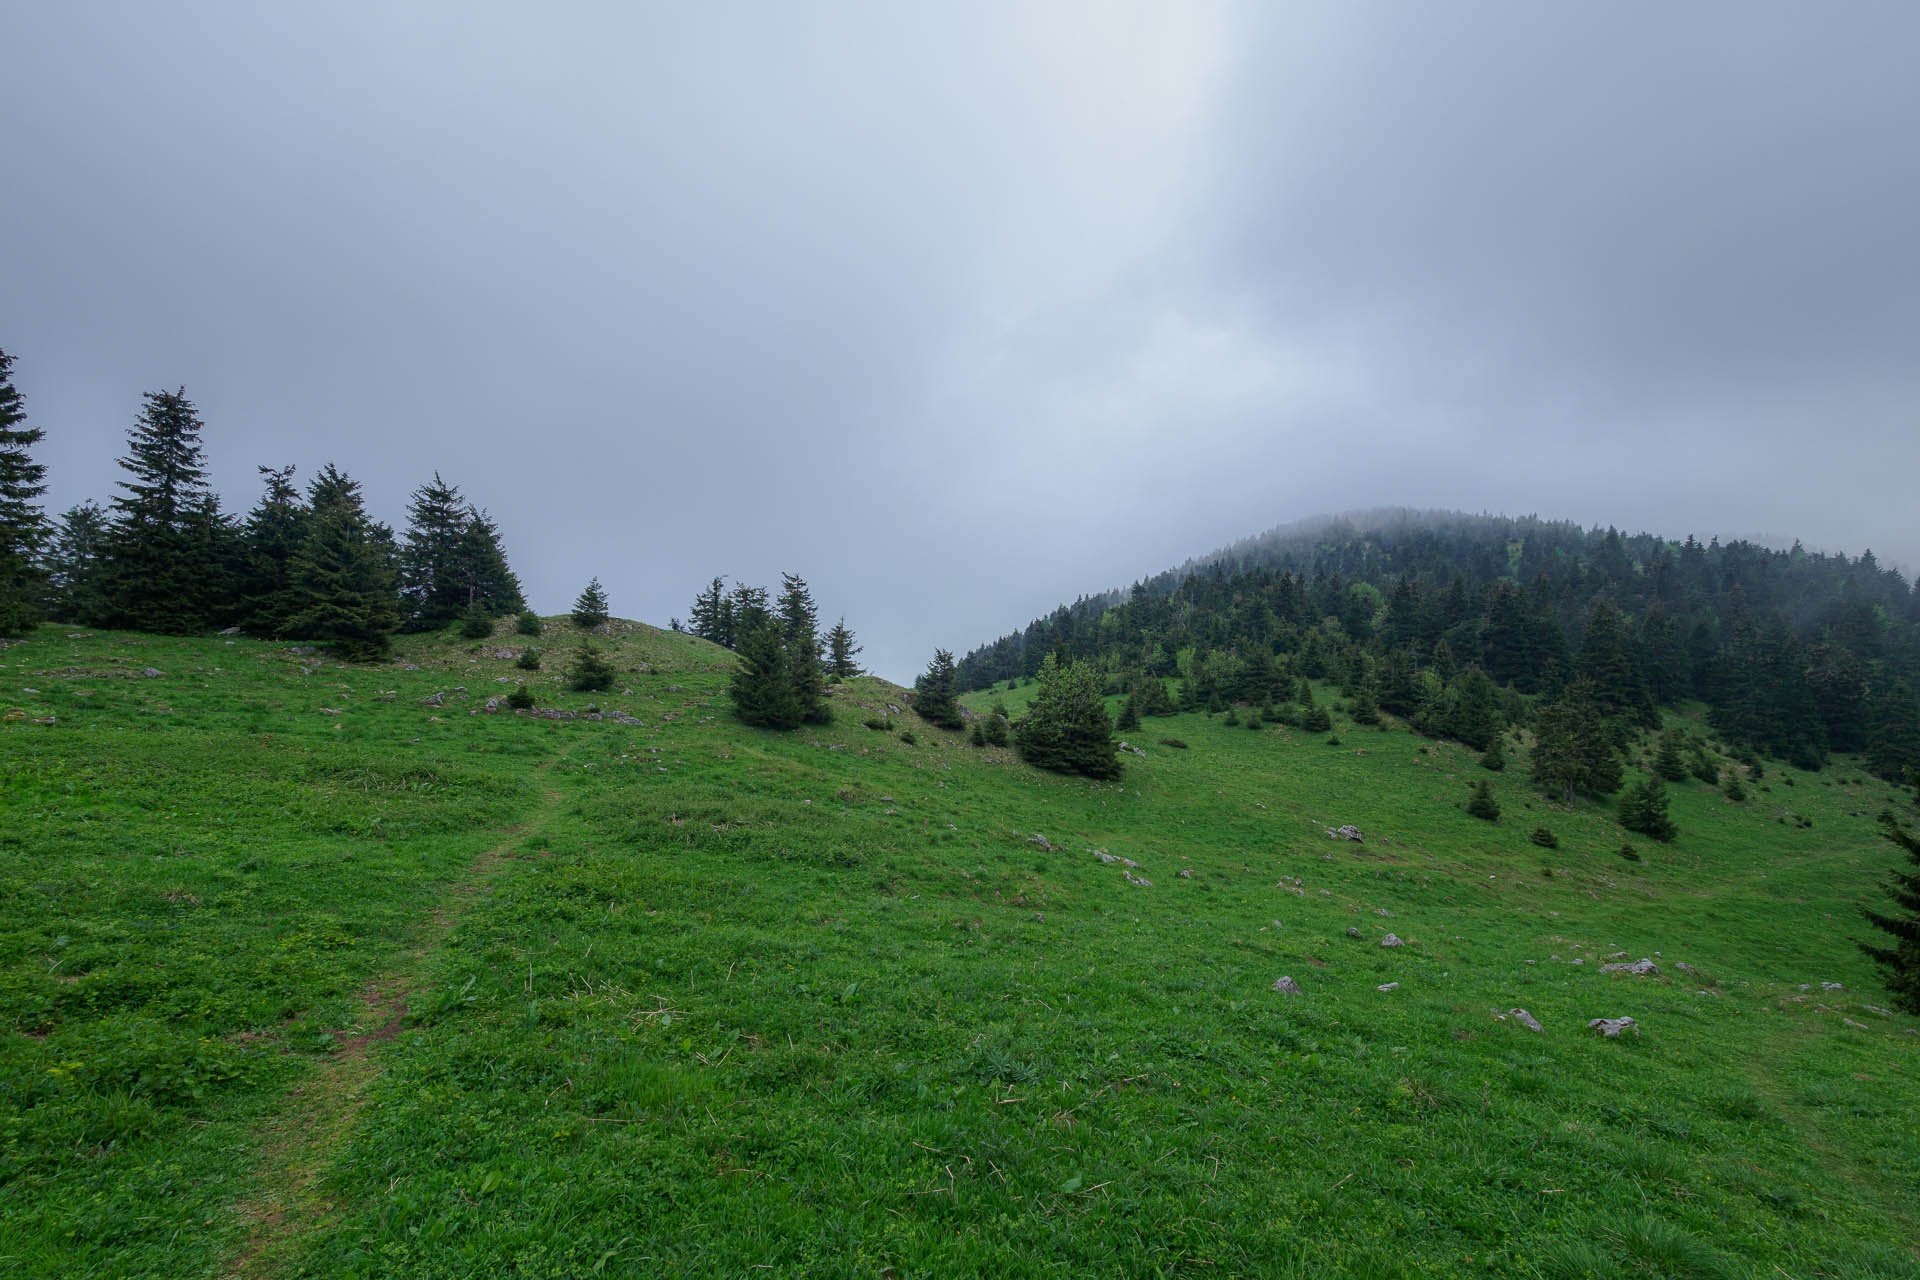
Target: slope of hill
(314,969)
(1796,653)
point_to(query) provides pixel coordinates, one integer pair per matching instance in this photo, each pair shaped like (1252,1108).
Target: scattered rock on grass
(1142,881)
(1388,986)
(1348,832)
(1287,986)
(153,673)
(1524,1018)
(1037,839)
(1392,940)
(1354,933)
(1612,1027)
(1642,967)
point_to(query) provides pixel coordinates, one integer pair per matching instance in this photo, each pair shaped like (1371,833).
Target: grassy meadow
(303,976)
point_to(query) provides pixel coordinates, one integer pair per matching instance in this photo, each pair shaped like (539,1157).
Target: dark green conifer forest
(1464,625)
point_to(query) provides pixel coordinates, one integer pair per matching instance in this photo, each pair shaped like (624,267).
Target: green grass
(687,997)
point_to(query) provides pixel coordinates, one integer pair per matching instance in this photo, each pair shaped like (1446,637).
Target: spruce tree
(1474,714)
(1609,660)
(1643,808)
(763,693)
(708,619)
(1130,715)
(1893,730)
(933,693)
(590,672)
(1573,748)
(841,651)
(1066,729)
(1154,698)
(1899,963)
(1668,762)
(1314,717)
(218,550)
(799,634)
(1494,758)
(271,541)
(452,559)
(476,623)
(746,610)
(481,569)
(152,579)
(342,590)
(528,623)
(1482,804)
(429,588)
(23,526)
(590,610)
(76,566)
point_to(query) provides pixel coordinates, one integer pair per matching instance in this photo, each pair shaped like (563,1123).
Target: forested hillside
(1798,654)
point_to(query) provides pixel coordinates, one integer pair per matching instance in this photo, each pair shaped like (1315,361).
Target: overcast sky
(962,311)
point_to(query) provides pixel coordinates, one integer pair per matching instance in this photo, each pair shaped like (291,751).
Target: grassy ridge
(685,995)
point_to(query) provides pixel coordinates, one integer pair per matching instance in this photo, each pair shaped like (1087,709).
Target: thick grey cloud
(961,313)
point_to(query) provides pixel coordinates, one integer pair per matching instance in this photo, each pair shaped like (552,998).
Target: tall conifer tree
(481,570)
(933,693)
(429,578)
(1900,963)
(153,579)
(1067,729)
(708,619)
(841,651)
(76,566)
(342,592)
(274,531)
(763,691)
(799,633)
(590,610)
(23,526)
